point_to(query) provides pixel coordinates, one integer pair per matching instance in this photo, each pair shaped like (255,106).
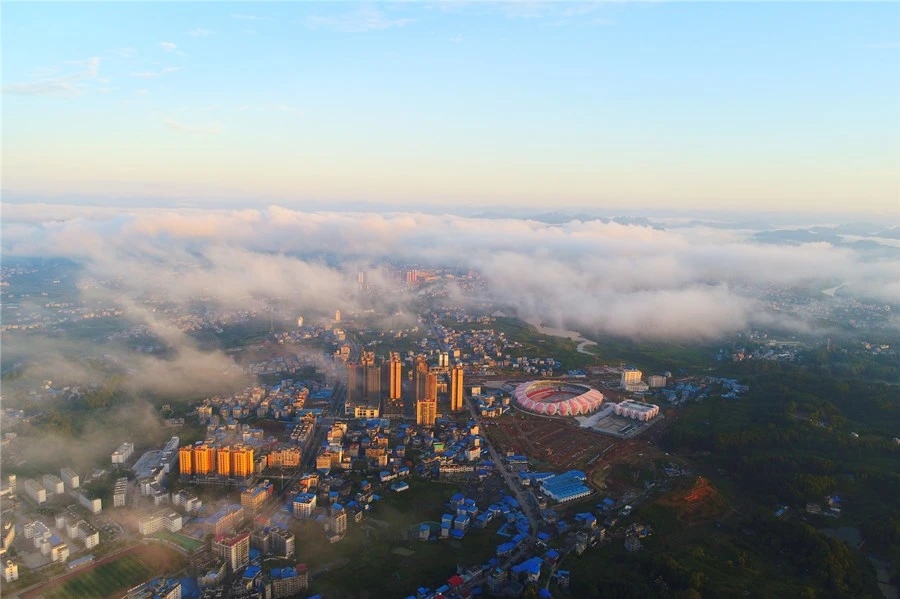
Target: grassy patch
(187,543)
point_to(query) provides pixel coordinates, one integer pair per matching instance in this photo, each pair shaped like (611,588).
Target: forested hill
(824,426)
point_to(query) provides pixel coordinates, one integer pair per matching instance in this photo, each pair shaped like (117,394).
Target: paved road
(515,488)
(512,482)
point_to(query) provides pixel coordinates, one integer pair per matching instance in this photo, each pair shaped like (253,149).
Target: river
(832,290)
(566,334)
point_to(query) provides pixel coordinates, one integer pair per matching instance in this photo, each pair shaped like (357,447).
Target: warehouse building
(567,486)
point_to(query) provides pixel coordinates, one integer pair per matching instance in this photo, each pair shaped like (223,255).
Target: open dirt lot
(561,444)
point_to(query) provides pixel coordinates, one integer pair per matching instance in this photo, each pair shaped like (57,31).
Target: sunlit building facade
(456,388)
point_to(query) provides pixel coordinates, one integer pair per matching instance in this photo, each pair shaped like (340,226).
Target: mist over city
(446,300)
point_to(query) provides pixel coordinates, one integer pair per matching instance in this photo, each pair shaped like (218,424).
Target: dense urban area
(421,441)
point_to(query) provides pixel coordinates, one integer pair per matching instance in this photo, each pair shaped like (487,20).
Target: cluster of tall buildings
(368,384)
(228,461)
(374,390)
(364,386)
(426,391)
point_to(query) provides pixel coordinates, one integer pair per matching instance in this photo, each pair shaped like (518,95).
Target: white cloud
(596,276)
(155,74)
(67,86)
(266,107)
(200,32)
(142,92)
(209,129)
(168,46)
(124,52)
(91,67)
(52,87)
(366,18)
(246,17)
(557,14)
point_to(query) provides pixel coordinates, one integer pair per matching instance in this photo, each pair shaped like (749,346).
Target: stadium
(554,398)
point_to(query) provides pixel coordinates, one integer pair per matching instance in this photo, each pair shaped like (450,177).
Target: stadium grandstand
(554,398)
(637,410)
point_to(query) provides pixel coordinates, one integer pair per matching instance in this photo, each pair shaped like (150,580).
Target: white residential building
(304,505)
(35,490)
(70,478)
(164,519)
(10,570)
(119,492)
(53,484)
(656,381)
(79,529)
(94,506)
(190,502)
(121,455)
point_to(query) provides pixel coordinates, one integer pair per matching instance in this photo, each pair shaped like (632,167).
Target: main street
(525,504)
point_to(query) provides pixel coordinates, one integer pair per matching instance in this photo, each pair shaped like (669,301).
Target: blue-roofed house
(252,577)
(530,569)
(551,557)
(189,589)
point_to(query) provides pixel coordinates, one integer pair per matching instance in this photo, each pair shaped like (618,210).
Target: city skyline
(626,105)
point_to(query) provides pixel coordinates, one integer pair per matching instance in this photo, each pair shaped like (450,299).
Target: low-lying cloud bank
(604,277)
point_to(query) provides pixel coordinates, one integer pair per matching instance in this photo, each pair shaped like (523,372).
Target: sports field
(113,577)
(187,543)
(105,580)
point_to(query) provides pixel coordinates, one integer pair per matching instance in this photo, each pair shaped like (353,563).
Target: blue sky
(694,105)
